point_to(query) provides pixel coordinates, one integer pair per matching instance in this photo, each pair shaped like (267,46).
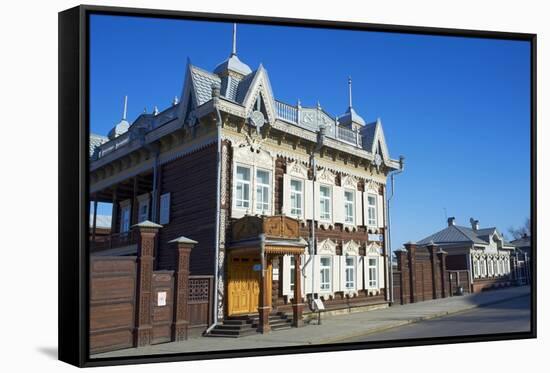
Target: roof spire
(349,87)
(234,51)
(125,108)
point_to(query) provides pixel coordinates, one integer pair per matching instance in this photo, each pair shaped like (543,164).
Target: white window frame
(291,280)
(248,183)
(326,286)
(143,201)
(372,283)
(265,188)
(164,208)
(374,209)
(350,284)
(349,219)
(483,267)
(328,202)
(125,211)
(477,268)
(294,210)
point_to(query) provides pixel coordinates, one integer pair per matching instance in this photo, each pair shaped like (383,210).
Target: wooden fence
(131,305)
(420,274)
(459,279)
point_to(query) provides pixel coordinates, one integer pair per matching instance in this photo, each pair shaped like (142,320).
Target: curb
(415,320)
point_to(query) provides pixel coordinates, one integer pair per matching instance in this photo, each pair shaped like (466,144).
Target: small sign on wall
(257,267)
(375,237)
(161,298)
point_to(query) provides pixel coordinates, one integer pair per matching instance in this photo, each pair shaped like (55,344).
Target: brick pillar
(432,249)
(403,267)
(264,307)
(411,251)
(443,270)
(147,232)
(180,321)
(297,305)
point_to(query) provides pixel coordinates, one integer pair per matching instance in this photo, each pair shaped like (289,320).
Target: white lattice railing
(287,112)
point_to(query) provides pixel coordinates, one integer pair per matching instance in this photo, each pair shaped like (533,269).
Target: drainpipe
(388,239)
(215,95)
(312,242)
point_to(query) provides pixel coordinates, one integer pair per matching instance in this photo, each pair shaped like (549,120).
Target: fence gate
(163,306)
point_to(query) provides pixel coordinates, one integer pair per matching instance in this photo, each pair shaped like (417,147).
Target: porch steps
(240,326)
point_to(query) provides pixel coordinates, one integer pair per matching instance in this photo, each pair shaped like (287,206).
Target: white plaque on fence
(318,304)
(161,298)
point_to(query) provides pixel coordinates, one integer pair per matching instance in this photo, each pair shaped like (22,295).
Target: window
(500,267)
(490,265)
(350,272)
(324,199)
(349,206)
(164,208)
(296,197)
(143,212)
(292,274)
(483,267)
(325,273)
(262,191)
(476,268)
(242,187)
(125,218)
(373,272)
(371,203)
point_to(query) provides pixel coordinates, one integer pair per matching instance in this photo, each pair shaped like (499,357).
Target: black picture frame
(73,181)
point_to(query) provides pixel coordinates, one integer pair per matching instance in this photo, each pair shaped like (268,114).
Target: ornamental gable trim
(326,176)
(350,248)
(327,247)
(297,169)
(373,249)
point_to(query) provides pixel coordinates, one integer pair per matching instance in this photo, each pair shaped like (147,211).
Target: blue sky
(456,108)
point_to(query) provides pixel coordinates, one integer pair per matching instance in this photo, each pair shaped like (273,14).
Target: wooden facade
(204,169)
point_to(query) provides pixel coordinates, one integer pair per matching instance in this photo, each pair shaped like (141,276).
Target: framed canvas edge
(73,106)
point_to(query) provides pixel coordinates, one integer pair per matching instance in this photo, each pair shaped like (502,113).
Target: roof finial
(175,101)
(125,107)
(234,51)
(156,111)
(349,87)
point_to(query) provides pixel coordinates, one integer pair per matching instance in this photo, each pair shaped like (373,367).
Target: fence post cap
(183,239)
(147,224)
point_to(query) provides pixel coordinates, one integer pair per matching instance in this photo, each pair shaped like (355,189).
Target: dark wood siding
(112,299)
(456,262)
(191,182)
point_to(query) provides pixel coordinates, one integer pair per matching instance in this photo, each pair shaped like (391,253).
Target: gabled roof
(374,139)
(202,83)
(459,234)
(522,242)
(453,234)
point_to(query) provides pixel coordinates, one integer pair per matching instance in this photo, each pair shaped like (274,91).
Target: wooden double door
(244,284)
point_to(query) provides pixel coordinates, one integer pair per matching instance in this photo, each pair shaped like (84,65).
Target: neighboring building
(272,159)
(521,259)
(483,252)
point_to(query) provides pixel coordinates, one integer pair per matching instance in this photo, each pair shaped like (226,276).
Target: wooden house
(482,252)
(287,202)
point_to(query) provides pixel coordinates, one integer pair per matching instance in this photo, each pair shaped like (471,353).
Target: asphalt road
(506,317)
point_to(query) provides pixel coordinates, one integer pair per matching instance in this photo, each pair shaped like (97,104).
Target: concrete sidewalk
(335,328)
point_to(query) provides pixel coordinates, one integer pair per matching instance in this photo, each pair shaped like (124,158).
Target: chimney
(451,221)
(474,223)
